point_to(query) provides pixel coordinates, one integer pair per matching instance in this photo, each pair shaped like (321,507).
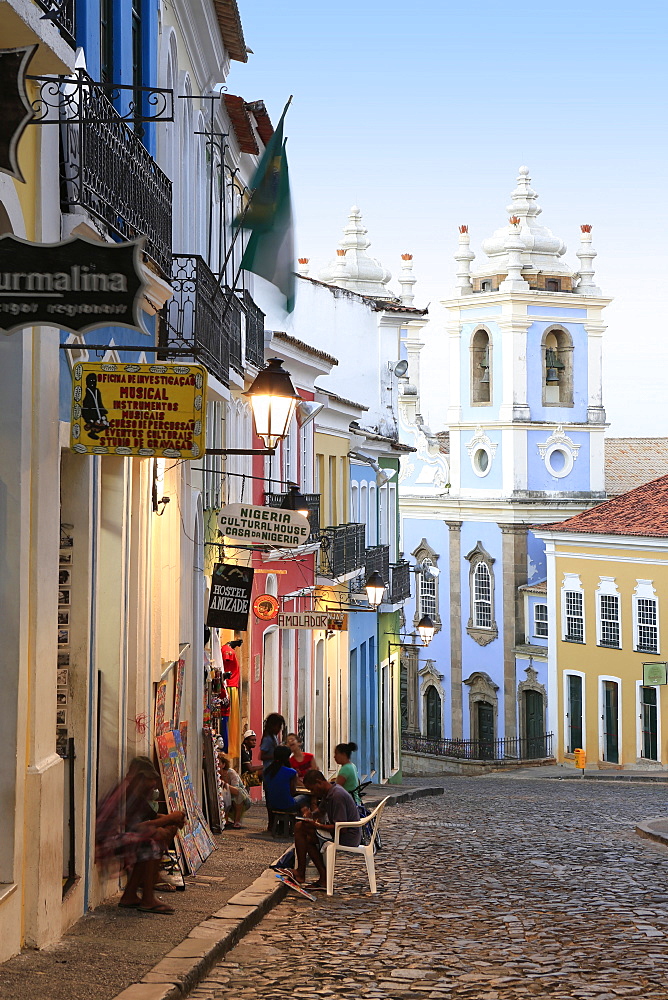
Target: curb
(661,778)
(376,794)
(190,961)
(645,830)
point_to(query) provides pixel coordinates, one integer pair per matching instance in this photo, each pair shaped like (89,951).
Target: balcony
(233,331)
(107,170)
(377,558)
(255,342)
(62,15)
(313,504)
(342,549)
(400,582)
(193,318)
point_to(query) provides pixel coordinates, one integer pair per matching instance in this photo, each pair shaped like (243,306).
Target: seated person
(274,725)
(280,784)
(300,760)
(248,744)
(235,796)
(347,776)
(338,806)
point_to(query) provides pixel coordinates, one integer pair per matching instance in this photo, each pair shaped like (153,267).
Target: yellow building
(607,588)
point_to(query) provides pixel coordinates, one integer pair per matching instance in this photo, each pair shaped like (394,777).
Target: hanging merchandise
(231,673)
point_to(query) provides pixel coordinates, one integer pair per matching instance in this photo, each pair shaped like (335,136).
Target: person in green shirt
(347,776)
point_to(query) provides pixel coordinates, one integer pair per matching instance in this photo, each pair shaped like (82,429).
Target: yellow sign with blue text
(138,409)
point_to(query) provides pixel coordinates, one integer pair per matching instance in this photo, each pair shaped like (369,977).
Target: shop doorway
(434,713)
(574,713)
(649,722)
(611,722)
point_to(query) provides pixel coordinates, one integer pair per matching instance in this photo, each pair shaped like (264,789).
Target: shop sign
(139,410)
(76,284)
(332,621)
(654,673)
(230,597)
(265,607)
(265,525)
(15,107)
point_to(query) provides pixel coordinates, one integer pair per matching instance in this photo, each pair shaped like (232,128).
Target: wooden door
(611,722)
(535,728)
(485,713)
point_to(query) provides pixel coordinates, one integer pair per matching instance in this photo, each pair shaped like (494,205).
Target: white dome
(541,251)
(354,269)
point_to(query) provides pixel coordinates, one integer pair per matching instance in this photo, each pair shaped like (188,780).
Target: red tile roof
(643,512)
(241,123)
(229,22)
(630,462)
(262,120)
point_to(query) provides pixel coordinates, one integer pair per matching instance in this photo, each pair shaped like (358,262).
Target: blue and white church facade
(526,428)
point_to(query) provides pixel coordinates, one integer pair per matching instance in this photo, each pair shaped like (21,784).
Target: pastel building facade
(525,443)
(607,589)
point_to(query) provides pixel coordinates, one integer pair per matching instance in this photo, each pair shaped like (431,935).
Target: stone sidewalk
(140,956)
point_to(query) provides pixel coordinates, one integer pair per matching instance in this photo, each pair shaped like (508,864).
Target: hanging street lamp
(375,588)
(273,400)
(294,500)
(426,629)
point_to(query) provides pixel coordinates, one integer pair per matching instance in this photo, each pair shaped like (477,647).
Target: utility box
(580,758)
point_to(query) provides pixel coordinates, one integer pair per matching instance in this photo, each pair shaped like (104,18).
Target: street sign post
(331,621)
(264,525)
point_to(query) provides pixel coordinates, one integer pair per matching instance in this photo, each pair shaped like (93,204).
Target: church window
(482,597)
(481,368)
(481,625)
(557,368)
(426,584)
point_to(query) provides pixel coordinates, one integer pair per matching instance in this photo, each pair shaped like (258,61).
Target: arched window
(482,597)
(481,624)
(557,368)
(426,584)
(481,368)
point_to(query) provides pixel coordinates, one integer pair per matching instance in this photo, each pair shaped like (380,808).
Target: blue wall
(537,562)
(494,478)
(539,478)
(557,414)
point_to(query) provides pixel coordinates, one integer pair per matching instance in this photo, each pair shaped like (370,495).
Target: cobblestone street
(500,889)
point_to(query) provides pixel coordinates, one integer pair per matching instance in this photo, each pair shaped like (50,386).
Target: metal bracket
(79,99)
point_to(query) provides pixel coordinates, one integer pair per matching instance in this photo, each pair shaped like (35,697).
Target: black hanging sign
(76,284)
(15,107)
(230,597)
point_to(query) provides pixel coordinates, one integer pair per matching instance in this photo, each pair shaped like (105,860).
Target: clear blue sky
(421,113)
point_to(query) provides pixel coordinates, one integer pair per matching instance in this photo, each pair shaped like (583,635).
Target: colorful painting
(178,692)
(160,695)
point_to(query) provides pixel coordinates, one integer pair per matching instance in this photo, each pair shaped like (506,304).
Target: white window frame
(645,590)
(657,688)
(607,587)
(476,601)
(572,583)
(583,678)
(536,633)
(427,582)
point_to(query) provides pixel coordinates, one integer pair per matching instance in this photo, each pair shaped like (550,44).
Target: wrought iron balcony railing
(232,321)
(193,317)
(377,557)
(342,549)
(313,504)
(255,338)
(107,169)
(511,749)
(400,582)
(62,15)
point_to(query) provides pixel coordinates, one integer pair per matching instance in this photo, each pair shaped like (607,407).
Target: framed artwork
(61,673)
(63,617)
(65,558)
(61,716)
(63,597)
(63,637)
(61,698)
(63,661)
(64,577)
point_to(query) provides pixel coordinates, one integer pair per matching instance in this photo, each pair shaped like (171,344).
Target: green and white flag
(270,250)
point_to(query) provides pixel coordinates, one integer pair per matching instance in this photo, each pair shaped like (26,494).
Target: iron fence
(377,559)
(313,504)
(342,549)
(193,317)
(400,582)
(232,323)
(512,748)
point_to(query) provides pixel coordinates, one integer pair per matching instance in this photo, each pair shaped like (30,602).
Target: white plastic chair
(330,854)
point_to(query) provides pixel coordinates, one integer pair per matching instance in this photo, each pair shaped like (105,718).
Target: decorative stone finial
(586,254)
(407,279)
(303,266)
(514,245)
(464,256)
(353,268)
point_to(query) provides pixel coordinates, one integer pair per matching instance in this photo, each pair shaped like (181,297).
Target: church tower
(526,415)
(526,426)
